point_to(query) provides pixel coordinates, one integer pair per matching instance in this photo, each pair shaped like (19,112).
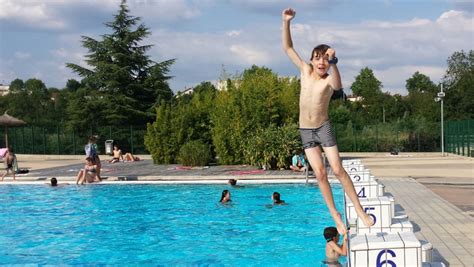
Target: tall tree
(367,86)
(421,94)
(458,82)
(29,101)
(126,81)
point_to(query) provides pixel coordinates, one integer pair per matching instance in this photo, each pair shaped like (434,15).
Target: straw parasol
(9,121)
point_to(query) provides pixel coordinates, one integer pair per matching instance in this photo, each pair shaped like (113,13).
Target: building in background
(4,89)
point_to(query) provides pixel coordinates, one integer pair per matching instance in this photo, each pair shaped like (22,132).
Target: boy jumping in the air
(317,87)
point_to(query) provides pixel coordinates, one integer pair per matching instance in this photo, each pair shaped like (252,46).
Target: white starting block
(426,251)
(354,168)
(369,189)
(360,176)
(352,161)
(433,264)
(381,209)
(397,226)
(395,250)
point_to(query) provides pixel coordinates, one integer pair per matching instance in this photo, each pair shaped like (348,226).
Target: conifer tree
(122,78)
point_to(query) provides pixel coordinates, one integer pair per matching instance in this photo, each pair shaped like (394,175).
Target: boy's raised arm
(335,82)
(287,15)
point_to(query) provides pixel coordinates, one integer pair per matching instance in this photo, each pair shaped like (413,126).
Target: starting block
(360,176)
(354,168)
(351,161)
(399,249)
(381,209)
(369,189)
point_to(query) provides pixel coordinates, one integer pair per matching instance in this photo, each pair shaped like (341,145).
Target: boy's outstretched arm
(344,245)
(287,15)
(335,82)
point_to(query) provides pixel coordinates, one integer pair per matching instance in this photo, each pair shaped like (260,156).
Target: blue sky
(393,38)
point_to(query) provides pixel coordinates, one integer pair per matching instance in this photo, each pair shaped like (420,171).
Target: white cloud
(31,13)
(62,14)
(394,77)
(165,10)
(250,55)
(233,33)
(21,55)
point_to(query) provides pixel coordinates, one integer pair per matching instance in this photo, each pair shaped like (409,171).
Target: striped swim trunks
(313,137)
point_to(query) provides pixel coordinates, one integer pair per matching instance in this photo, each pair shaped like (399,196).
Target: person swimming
(333,249)
(225,197)
(276,198)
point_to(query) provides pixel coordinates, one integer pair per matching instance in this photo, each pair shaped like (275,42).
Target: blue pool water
(162,224)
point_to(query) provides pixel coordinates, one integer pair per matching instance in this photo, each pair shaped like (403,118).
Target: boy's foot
(341,227)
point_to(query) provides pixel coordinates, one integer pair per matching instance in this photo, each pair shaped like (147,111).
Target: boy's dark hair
(224,193)
(276,197)
(232,181)
(54,181)
(330,233)
(319,50)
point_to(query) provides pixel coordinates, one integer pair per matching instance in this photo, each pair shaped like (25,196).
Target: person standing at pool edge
(317,87)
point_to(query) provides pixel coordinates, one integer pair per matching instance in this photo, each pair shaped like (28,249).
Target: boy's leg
(315,158)
(332,153)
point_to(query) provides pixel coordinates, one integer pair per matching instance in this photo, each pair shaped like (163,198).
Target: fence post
(376,138)
(44,142)
(23,139)
(353,140)
(131,139)
(458,138)
(469,139)
(73,142)
(33,139)
(59,147)
(418,139)
(463,138)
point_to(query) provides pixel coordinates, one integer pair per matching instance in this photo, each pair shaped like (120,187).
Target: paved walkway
(446,227)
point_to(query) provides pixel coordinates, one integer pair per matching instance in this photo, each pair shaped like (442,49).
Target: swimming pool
(162,224)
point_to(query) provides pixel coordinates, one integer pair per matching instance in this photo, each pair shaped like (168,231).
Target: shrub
(194,153)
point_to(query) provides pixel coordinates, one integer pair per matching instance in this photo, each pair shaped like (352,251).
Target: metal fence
(388,137)
(61,141)
(459,137)
(350,138)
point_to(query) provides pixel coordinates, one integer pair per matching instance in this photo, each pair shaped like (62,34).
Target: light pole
(439,98)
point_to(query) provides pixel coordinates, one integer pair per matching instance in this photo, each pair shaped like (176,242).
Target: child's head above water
(330,233)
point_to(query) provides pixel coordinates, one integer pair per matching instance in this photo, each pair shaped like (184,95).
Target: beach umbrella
(9,121)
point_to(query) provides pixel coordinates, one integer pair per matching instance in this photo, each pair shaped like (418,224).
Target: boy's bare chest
(311,86)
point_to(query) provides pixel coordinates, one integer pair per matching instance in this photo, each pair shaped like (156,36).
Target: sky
(211,39)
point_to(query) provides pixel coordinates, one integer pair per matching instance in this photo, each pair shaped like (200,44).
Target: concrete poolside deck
(408,177)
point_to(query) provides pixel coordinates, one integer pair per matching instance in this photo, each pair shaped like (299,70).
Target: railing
(460,137)
(61,141)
